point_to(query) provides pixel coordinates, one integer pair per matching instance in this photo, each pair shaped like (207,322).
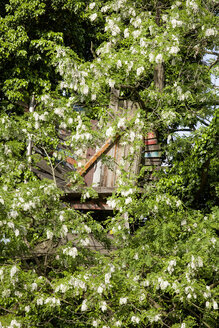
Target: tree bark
(159,76)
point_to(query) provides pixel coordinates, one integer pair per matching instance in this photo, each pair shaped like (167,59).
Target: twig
(92,50)
(214,63)
(52,168)
(9,311)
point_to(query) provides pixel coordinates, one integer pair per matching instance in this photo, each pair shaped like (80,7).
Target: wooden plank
(153,162)
(88,176)
(152,147)
(90,205)
(97,174)
(150,142)
(60,183)
(152,154)
(151,135)
(94,158)
(45,167)
(71,161)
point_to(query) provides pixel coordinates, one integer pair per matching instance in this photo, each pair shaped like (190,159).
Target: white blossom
(215,305)
(39,301)
(87,229)
(52,301)
(84,306)
(128,200)
(151,57)
(85,90)
(71,251)
(119,63)
(49,234)
(100,290)
(136,256)
(109,132)
(92,5)
(11,225)
(135,319)
(13,214)
(122,123)
(111,203)
(14,324)
(123,300)
(93,17)
(140,70)
(183,325)
(126,33)
(95,323)
(141,297)
(34,286)
(14,269)
(27,308)
(59,111)
(159,58)
(213,241)
(64,230)
(85,242)
(136,34)
(103,306)
(176,23)
(210,32)
(192,4)
(107,278)
(174,50)
(63,288)
(163,283)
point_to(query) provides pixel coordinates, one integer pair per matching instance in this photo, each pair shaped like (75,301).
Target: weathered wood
(153,162)
(152,147)
(90,205)
(97,174)
(159,76)
(102,191)
(94,158)
(153,154)
(45,167)
(88,177)
(151,142)
(42,175)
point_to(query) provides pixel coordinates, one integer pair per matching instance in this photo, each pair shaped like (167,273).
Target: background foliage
(160,267)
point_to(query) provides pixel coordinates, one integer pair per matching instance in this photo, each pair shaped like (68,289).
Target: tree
(159,270)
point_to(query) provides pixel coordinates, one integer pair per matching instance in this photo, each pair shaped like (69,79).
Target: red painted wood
(150,142)
(151,135)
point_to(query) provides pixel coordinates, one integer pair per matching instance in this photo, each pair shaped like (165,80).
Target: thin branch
(212,53)
(6,310)
(92,50)
(52,168)
(214,63)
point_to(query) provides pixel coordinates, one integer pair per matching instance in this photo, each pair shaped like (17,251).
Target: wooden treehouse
(96,172)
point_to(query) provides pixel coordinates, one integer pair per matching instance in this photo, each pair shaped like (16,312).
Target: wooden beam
(95,157)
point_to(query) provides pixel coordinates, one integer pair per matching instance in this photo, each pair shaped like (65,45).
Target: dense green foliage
(160,267)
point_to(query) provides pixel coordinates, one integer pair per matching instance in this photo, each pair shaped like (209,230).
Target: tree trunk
(159,76)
